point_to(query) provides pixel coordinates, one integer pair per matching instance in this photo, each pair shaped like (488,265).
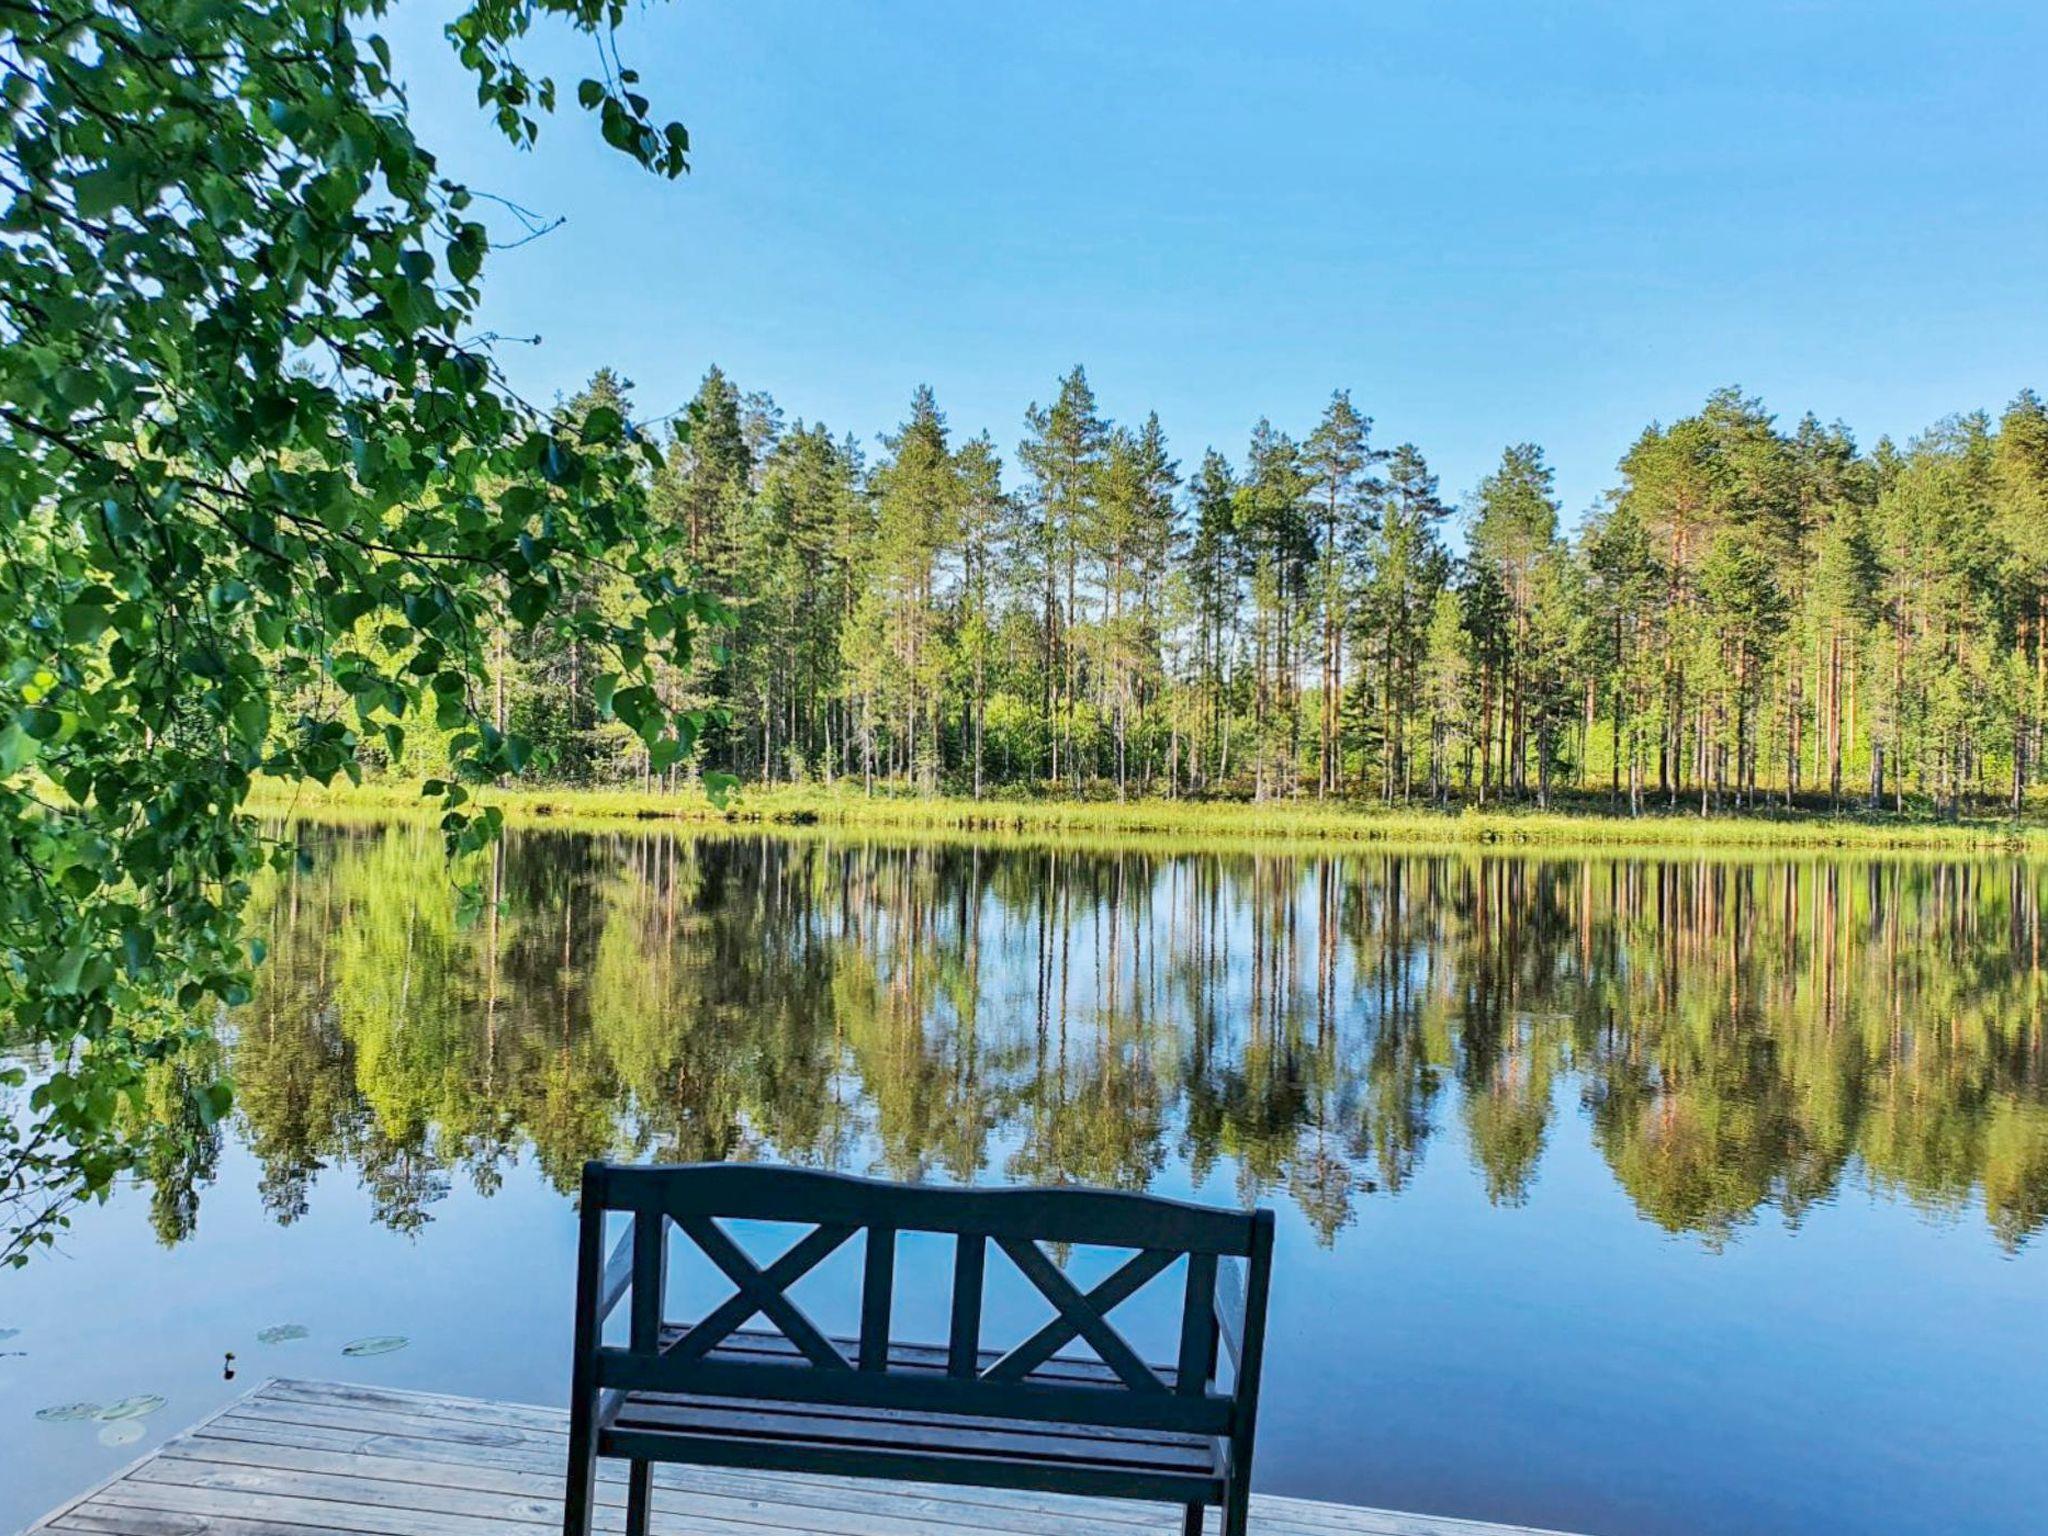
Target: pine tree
(1337,459)
(918,503)
(1271,520)
(985,523)
(1216,575)
(1513,531)
(1399,579)
(1063,454)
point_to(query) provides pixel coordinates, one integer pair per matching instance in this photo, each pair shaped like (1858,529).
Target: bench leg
(1191,1521)
(639,1497)
(1237,1506)
(579,1504)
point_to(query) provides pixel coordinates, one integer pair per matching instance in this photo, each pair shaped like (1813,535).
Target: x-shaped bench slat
(760,1290)
(1080,1315)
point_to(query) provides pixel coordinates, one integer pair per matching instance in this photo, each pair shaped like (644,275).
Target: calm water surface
(1621,1195)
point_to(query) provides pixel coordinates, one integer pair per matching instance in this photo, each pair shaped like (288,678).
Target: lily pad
(122,1432)
(136,1407)
(68,1413)
(283,1333)
(382,1344)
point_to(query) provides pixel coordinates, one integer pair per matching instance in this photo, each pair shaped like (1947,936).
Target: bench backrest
(1228,1256)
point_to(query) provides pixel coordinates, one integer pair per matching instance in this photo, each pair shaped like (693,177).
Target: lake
(1658,1194)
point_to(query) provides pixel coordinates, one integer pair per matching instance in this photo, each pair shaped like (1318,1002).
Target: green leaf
(529,603)
(63,975)
(17,749)
(98,193)
(214,1101)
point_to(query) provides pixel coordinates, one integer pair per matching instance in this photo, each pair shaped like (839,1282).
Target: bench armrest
(1230,1308)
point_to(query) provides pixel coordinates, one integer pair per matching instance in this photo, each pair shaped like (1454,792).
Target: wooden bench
(1030,1416)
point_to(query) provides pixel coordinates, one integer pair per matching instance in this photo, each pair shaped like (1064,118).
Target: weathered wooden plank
(418,1409)
(416,1425)
(414,1408)
(351,1486)
(469,1410)
(536,1495)
(964,1507)
(782,1504)
(412,1434)
(326,1514)
(409,1464)
(991,1509)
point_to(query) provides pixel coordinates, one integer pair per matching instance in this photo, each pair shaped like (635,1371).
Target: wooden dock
(294,1458)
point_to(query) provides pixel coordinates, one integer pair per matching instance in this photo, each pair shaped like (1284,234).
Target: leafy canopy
(250,455)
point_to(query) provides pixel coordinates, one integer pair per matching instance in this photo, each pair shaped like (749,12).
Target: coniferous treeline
(1752,615)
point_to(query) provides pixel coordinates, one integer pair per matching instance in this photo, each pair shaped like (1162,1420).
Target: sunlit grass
(1298,821)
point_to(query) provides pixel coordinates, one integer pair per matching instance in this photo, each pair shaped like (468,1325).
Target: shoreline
(1295,823)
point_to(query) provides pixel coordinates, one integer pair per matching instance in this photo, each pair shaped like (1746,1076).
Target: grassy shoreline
(1210,821)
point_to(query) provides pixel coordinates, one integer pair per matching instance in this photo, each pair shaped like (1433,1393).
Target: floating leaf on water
(66,1413)
(123,1432)
(138,1406)
(382,1344)
(283,1333)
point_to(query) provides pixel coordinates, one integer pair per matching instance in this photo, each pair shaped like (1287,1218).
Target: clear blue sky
(1491,222)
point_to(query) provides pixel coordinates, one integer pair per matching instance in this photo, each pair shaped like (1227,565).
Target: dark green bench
(787,1398)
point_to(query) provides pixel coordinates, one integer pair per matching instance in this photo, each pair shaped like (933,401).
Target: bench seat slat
(766,1368)
(1191,1454)
(931,1465)
(1089,1432)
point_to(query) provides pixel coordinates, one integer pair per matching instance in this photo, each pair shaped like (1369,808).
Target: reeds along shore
(1588,824)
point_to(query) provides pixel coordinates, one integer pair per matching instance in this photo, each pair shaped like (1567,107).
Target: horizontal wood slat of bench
(930,1466)
(766,1368)
(762,1192)
(1092,1433)
(886,1429)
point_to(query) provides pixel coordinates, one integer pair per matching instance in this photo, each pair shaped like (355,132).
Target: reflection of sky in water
(1688,1197)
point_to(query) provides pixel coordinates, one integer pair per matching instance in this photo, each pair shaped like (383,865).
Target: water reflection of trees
(1738,1036)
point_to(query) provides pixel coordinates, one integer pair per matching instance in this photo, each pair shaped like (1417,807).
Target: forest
(1751,617)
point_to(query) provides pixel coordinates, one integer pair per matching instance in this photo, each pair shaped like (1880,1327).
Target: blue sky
(1492,222)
